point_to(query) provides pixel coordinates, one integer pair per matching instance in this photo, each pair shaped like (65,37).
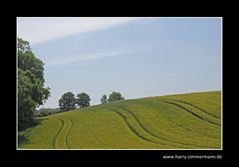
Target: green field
(185,121)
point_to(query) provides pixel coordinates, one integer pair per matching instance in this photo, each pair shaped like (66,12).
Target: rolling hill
(184,121)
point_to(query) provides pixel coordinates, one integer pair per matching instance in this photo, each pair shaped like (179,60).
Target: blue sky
(138,57)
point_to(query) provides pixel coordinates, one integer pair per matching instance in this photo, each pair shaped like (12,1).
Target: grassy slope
(167,122)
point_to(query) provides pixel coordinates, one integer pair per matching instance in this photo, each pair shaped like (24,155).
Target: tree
(83,100)
(67,101)
(114,96)
(103,99)
(31,91)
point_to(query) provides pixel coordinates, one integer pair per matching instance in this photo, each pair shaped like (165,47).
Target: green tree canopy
(67,102)
(114,96)
(103,99)
(83,100)
(31,91)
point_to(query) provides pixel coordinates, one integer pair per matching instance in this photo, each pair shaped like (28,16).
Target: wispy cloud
(40,29)
(91,56)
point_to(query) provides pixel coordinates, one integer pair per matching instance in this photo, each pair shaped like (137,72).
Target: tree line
(68,101)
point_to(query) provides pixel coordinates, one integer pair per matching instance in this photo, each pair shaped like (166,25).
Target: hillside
(185,121)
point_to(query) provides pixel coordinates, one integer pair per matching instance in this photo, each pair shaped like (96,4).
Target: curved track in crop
(62,135)
(54,140)
(172,142)
(157,137)
(192,105)
(192,113)
(67,135)
(124,118)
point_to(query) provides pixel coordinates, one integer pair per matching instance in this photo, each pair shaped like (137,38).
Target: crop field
(184,121)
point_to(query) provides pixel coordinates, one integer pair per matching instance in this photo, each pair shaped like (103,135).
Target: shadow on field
(36,122)
(22,140)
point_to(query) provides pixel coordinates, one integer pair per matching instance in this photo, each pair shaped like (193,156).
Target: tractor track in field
(185,128)
(68,132)
(130,127)
(204,111)
(149,132)
(60,130)
(191,112)
(157,136)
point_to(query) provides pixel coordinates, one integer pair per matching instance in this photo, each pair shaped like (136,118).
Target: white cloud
(40,29)
(90,56)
